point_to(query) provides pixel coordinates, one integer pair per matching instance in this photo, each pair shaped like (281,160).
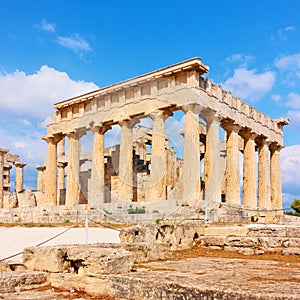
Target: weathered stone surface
(293,231)
(269,242)
(11,282)
(4,267)
(94,260)
(50,259)
(181,236)
(225,230)
(145,252)
(291,251)
(100,285)
(242,242)
(267,231)
(212,241)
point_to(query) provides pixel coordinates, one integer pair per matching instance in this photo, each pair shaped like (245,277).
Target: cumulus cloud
(75,42)
(240,58)
(290,169)
(248,84)
(282,33)
(294,116)
(293,100)
(290,66)
(47,26)
(34,94)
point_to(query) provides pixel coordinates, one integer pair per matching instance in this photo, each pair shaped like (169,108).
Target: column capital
(161,114)
(275,146)
(99,128)
(230,126)
(41,168)
(62,164)
(210,115)
(19,164)
(3,151)
(262,140)
(247,133)
(129,122)
(76,133)
(54,139)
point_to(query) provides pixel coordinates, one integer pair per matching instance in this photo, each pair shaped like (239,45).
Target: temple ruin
(144,167)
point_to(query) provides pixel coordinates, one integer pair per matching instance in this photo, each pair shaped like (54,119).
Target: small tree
(295,205)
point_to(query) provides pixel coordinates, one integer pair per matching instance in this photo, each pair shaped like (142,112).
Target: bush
(295,205)
(136,210)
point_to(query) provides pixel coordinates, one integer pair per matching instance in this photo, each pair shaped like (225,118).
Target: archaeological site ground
(199,214)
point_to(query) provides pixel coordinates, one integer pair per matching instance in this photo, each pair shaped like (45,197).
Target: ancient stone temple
(7,161)
(222,136)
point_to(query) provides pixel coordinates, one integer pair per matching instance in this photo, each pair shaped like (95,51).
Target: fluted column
(191,161)
(2,154)
(73,186)
(276,191)
(126,160)
(232,173)
(264,184)
(60,179)
(50,177)
(40,178)
(158,155)
(249,169)
(19,176)
(212,172)
(97,193)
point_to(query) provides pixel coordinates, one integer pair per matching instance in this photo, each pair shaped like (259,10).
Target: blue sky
(52,50)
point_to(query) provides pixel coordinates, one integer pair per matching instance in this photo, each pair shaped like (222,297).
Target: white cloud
(76,43)
(276,97)
(290,169)
(241,58)
(248,84)
(25,122)
(47,26)
(34,94)
(293,100)
(294,116)
(289,64)
(282,33)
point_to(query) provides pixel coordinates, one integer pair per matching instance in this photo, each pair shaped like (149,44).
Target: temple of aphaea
(143,167)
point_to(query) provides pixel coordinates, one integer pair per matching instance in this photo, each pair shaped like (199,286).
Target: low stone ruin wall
(246,239)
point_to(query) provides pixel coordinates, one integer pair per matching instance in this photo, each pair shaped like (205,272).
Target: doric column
(212,172)
(191,161)
(62,147)
(276,192)
(40,179)
(264,184)
(232,173)
(249,169)
(126,160)
(73,186)
(158,155)
(2,154)
(97,192)
(60,179)
(50,180)
(19,176)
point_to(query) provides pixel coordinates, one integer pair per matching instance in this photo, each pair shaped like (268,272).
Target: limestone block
(212,241)
(226,231)
(291,242)
(96,260)
(27,199)
(96,286)
(12,200)
(242,242)
(269,242)
(293,231)
(267,231)
(246,251)
(146,252)
(291,251)
(11,282)
(49,259)
(4,267)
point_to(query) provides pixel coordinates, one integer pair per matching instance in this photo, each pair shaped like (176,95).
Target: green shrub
(136,210)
